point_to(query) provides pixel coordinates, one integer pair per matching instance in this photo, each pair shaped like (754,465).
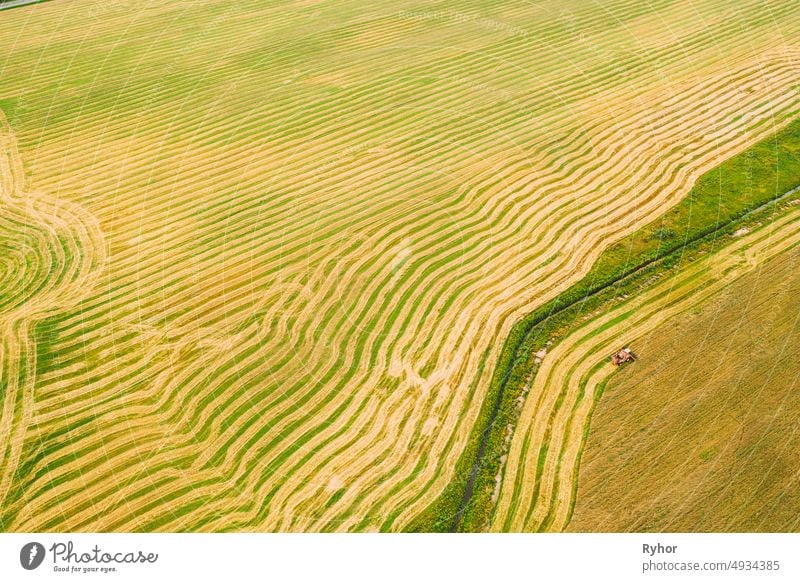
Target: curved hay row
(312,119)
(107,436)
(401,471)
(82,338)
(241,396)
(50,253)
(540,480)
(244,275)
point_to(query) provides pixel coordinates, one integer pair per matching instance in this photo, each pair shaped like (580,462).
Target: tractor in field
(623,356)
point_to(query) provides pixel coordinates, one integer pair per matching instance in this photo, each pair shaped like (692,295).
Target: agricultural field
(259,261)
(539,486)
(702,433)
(746,190)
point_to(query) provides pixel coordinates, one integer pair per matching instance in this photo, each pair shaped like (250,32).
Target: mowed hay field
(702,433)
(304,230)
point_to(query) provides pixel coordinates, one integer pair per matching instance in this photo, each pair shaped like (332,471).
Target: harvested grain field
(539,484)
(296,235)
(702,435)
